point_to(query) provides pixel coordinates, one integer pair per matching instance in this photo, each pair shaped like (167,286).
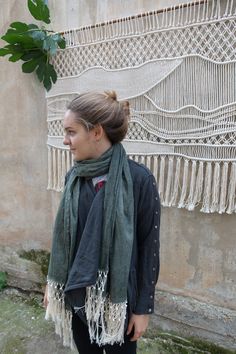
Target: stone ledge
(190,317)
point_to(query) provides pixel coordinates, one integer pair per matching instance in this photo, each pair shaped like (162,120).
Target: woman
(105,255)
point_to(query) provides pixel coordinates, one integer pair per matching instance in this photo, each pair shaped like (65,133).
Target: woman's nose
(66,141)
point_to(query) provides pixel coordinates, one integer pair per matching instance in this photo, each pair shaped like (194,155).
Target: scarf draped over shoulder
(102,262)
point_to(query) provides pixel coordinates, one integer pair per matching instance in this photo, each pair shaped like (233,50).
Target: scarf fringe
(59,314)
(106,320)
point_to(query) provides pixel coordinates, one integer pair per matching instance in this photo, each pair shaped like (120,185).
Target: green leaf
(30,66)
(20,26)
(33,54)
(52,73)
(17,38)
(33,26)
(15,57)
(62,43)
(47,82)
(4,51)
(39,10)
(40,70)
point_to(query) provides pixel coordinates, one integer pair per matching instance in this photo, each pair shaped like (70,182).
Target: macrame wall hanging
(177,67)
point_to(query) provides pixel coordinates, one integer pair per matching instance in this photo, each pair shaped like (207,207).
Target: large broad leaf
(39,10)
(52,73)
(33,54)
(62,43)
(4,51)
(33,26)
(18,38)
(15,57)
(41,70)
(20,26)
(47,82)
(30,66)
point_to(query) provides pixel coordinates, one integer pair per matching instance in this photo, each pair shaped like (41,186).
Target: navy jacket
(144,268)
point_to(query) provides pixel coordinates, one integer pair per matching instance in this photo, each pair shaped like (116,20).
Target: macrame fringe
(59,314)
(106,320)
(232,190)
(182,182)
(59,163)
(184,185)
(173,17)
(207,189)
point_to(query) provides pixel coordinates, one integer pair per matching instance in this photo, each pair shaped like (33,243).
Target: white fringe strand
(61,317)
(106,320)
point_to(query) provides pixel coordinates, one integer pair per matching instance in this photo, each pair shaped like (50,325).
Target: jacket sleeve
(148,226)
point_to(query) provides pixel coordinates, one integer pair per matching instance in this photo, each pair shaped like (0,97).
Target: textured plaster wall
(25,205)
(197,250)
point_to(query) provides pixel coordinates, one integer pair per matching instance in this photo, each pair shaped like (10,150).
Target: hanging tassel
(223,188)
(169,182)
(57,311)
(68,160)
(50,182)
(161,179)
(199,185)
(142,159)
(54,169)
(148,162)
(207,189)
(190,204)
(184,185)
(63,169)
(215,188)
(59,170)
(231,190)
(176,182)
(155,167)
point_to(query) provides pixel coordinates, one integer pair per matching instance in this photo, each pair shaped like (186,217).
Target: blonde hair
(93,108)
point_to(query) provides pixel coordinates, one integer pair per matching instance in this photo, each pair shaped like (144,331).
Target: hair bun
(111,94)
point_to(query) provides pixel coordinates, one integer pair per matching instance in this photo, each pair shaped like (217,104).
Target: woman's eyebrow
(66,128)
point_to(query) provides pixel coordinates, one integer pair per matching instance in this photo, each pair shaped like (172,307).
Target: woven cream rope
(177,68)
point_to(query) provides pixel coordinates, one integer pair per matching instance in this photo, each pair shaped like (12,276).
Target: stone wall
(197,250)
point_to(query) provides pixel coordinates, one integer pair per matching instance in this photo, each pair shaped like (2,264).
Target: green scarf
(106,299)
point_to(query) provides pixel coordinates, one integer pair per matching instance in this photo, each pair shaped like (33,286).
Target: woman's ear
(98,132)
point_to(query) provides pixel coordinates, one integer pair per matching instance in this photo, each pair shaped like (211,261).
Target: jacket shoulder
(139,172)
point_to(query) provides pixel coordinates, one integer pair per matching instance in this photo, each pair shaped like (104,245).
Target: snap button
(153,269)
(151,296)
(155,226)
(150,310)
(154,254)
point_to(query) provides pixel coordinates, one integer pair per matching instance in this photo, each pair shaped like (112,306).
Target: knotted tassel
(169,182)
(207,189)
(215,188)
(223,188)
(162,179)
(190,204)
(176,182)
(231,190)
(184,185)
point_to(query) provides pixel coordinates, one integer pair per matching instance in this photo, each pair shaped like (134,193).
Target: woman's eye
(70,132)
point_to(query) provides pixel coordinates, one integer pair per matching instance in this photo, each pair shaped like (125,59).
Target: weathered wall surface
(197,250)
(25,205)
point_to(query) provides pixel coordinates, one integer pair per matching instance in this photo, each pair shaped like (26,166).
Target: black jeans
(84,346)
